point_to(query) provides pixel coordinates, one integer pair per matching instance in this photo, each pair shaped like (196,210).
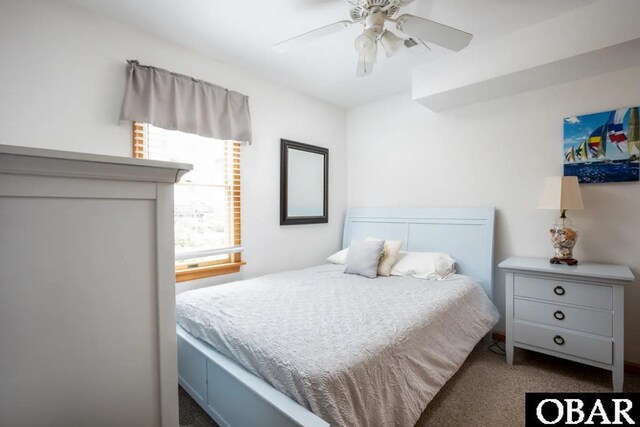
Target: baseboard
(632,367)
(629,367)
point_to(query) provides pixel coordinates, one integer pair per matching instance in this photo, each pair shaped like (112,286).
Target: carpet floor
(485,391)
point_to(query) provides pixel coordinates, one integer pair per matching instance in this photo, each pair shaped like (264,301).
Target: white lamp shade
(365,43)
(561,192)
(391,43)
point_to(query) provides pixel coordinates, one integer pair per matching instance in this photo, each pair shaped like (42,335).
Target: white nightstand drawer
(564,292)
(580,319)
(590,347)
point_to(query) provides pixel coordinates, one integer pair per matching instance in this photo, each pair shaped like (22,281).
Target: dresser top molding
(617,274)
(40,161)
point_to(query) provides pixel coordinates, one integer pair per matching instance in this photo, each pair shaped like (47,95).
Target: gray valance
(177,102)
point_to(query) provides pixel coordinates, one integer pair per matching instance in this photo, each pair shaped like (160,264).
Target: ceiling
(242,32)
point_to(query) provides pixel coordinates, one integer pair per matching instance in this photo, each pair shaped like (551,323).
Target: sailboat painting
(603,147)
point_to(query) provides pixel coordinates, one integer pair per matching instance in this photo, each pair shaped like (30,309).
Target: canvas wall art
(603,147)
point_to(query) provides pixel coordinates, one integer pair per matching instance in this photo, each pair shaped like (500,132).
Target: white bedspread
(355,351)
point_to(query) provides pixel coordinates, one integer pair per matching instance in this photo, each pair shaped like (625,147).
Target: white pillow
(424,265)
(390,255)
(339,257)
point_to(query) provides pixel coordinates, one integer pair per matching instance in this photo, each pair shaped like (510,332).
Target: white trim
(63,187)
(209,252)
(167,341)
(37,161)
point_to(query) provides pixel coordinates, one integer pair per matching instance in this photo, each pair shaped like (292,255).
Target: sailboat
(598,143)
(602,149)
(581,152)
(615,128)
(570,155)
(633,145)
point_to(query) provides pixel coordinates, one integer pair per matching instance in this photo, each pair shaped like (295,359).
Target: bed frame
(234,397)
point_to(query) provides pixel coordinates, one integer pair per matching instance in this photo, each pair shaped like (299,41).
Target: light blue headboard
(464,233)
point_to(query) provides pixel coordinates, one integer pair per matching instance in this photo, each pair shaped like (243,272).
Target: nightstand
(574,312)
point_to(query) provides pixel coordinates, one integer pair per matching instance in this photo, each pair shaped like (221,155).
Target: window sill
(208,271)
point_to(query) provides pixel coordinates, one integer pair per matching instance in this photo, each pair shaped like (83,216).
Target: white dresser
(573,312)
(87,290)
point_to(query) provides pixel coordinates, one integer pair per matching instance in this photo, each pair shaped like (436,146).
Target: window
(207,199)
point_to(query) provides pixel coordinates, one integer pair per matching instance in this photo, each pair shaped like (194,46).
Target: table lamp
(562,193)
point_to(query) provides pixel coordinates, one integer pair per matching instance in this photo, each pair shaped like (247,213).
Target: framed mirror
(304,183)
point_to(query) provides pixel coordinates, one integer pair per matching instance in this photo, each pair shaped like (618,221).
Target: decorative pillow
(390,255)
(363,258)
(339,257)
(424,265)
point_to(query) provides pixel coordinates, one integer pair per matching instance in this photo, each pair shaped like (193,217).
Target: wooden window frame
(233,261)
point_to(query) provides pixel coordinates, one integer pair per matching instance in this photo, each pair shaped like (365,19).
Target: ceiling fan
(373,14)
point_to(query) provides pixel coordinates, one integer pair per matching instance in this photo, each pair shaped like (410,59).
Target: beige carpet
(485,391)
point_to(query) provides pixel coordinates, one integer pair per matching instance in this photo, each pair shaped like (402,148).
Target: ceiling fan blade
(310,36)
(364,67)
(434,32)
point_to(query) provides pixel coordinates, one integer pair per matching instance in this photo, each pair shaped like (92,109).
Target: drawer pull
(559,315)
(558,340)
(559,290)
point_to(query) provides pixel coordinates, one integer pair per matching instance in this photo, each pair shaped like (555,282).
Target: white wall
(62,76)
(496,154)
(554,51)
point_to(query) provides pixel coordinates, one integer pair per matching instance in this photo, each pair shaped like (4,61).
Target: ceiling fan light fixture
(365,43)
(373,15)
(375,21)
(391,43)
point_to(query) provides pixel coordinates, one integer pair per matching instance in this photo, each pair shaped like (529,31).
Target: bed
(317,347)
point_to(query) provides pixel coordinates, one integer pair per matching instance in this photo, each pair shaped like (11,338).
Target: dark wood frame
(285,145)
